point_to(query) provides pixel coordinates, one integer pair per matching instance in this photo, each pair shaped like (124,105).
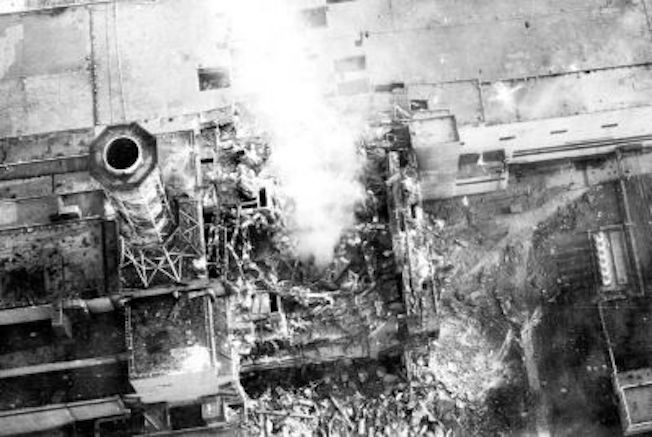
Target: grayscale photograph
(326,218)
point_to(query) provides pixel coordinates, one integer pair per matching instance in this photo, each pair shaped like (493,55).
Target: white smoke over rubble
(313,148)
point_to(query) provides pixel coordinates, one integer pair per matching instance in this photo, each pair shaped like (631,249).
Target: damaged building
(325,217)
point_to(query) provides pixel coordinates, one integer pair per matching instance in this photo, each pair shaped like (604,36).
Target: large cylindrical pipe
(122,155)
(123,159)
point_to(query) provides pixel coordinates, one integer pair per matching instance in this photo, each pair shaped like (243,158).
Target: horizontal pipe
(16,316)
(28,314)
(62,365)
(51,417)
(30,169)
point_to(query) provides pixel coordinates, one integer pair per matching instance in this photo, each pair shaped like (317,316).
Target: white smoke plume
(313,145)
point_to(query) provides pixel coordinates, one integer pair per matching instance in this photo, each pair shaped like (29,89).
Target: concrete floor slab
(13,109)
(566,95)
(43,68)
(55,42)
(32,187)
(496,50)
(57,102)
(161,84)
(462,99)
(45,146)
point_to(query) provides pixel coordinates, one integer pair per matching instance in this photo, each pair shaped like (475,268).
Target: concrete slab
(57,102)
(55,42)
(44,69)
(350,18)
(162,83)
(109,108)
(534,135)
(425,41)
(32,187)
(461,99)
(570,94)
(19,6)
(13,110)
(45,146)
(76,182)
(37,104)
(11,38)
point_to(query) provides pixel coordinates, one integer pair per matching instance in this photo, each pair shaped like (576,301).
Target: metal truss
(166,261)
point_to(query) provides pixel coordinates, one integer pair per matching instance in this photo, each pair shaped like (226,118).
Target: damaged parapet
(123,160)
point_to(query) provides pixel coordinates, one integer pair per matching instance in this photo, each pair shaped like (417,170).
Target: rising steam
(313,148)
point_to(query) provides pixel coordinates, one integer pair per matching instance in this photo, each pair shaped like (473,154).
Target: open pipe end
(122,155)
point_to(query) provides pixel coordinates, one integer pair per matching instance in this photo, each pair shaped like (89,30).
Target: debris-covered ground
(364,397)
(316,339)
(471,299)
(574,368)
(519,265)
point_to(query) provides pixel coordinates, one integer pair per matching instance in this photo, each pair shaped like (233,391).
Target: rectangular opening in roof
(351,63)
(493,156)
(468,160)
(314,17)
(213,78)
(418,105)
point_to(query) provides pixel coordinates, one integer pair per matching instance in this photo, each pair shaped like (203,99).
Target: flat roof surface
(629,325)
(636,388)
(169,335)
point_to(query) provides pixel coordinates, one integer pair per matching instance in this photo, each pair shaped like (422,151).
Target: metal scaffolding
(169,260)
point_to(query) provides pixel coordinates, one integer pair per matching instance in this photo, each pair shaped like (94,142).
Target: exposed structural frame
(158,240)
(168,258)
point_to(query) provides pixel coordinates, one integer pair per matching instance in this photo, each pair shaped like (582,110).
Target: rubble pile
(336,310)
(283,307)
(355,398)
(378,299)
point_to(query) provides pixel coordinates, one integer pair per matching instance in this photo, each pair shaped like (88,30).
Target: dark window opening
(400,138)
(227,131)
(494,156)
(262,197)
(468,159)
(487,164)
(213,78)
(389,87)
(122,153)
(403,160)
(273,303)
(418,105)
(352,63)
(314,17)
(187,416)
